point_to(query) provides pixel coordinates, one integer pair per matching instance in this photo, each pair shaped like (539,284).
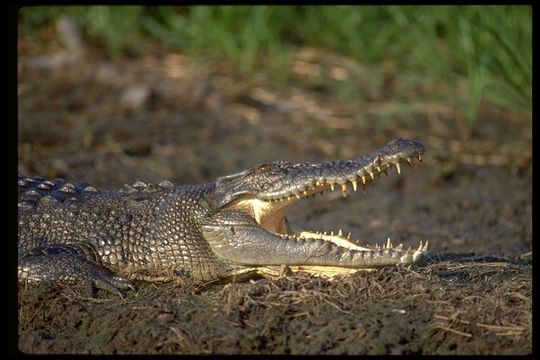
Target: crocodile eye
(263,168)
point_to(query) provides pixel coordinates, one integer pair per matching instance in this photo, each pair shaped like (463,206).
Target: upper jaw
(339,174)
(289,181)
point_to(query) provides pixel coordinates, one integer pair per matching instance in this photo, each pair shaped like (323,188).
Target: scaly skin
(210,232)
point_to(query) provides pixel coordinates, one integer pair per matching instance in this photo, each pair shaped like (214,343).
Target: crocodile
(209,232)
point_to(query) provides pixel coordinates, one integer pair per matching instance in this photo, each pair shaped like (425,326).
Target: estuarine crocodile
(215,231)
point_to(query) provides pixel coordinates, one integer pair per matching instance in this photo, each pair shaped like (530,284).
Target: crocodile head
(267,191)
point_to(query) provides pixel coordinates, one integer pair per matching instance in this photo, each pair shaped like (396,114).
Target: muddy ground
(163,115)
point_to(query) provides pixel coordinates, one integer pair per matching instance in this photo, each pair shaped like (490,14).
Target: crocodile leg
(68,263)
(238,239)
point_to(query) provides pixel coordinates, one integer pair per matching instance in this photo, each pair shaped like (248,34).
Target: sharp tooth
(378,168)
(349,236)
(332,233)
(363,179)
(419,157)
(305,193)
(426,246)
(333,187)
(340,233)
(344,190)
(420,247)
(355,185)
(371,175)
(398,168)
(289,198)
(388,244)
(297,196)
(324,233)
(409,160)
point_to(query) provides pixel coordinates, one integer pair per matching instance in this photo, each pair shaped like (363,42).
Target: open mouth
(270,212)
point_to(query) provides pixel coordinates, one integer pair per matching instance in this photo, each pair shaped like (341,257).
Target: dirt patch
(451,307)
(160,117)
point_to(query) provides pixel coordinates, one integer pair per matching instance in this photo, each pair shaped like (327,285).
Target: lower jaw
(407,257)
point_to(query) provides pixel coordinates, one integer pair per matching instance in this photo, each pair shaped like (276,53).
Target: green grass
(487,47)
